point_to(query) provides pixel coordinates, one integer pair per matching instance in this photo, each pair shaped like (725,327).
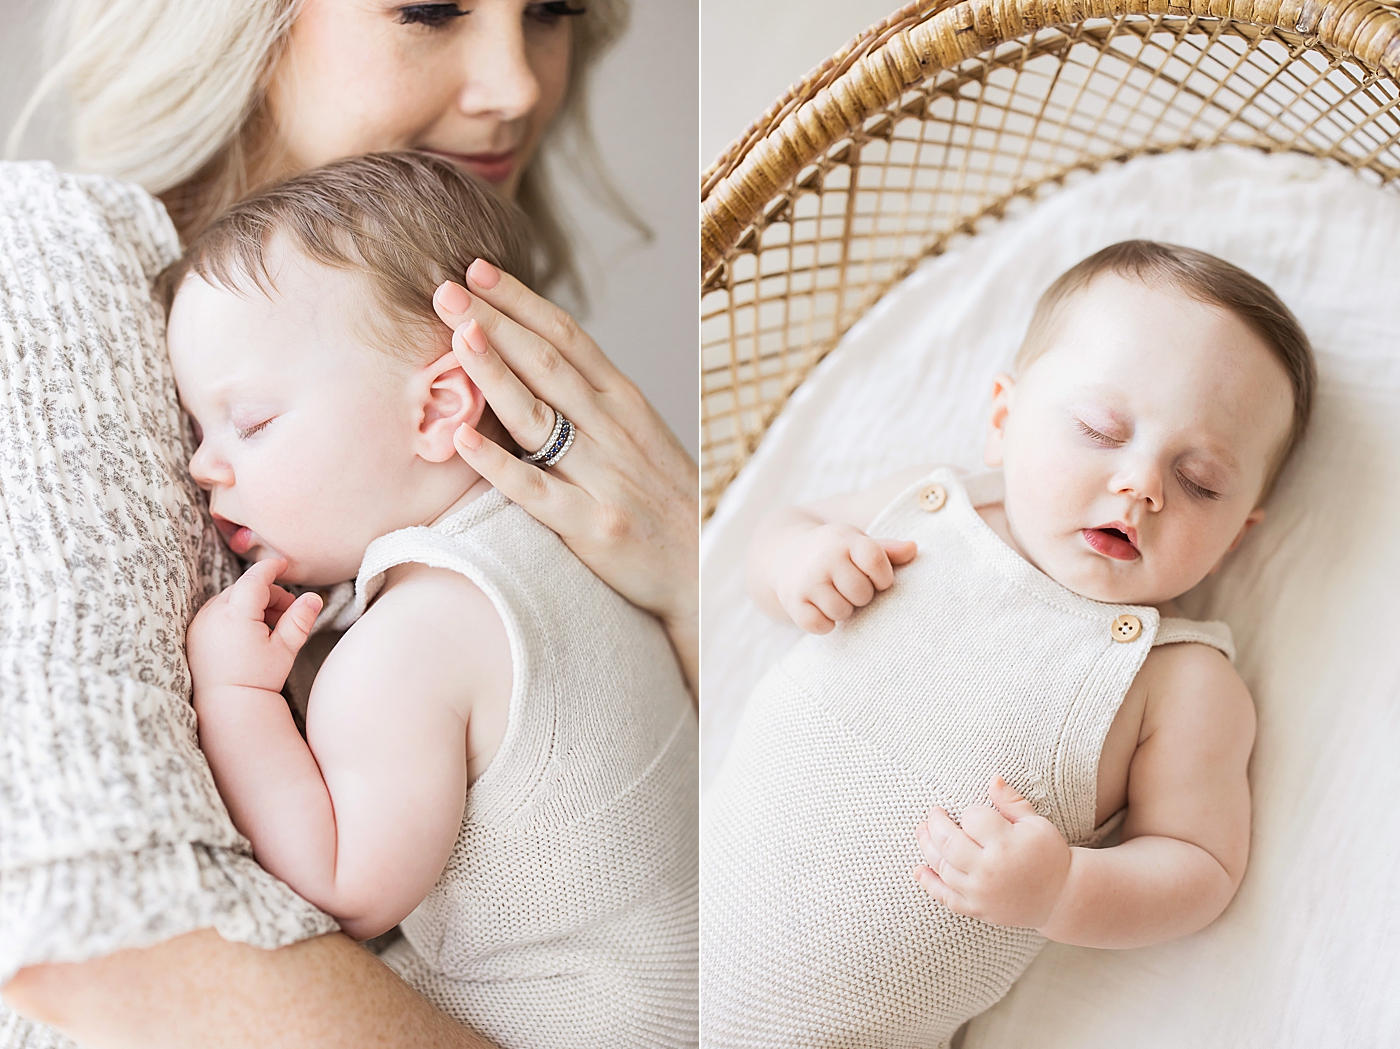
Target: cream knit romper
(566,913)
(813,930)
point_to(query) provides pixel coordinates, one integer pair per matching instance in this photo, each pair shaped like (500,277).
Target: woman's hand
(625,496)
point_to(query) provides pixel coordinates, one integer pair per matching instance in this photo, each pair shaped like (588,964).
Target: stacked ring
(560,440)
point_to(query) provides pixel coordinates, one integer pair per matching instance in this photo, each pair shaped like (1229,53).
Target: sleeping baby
(500,752)
(1020,690)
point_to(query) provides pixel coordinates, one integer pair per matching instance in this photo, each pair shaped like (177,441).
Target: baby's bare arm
(814,565)
(381,787)
(1186,832)
(1185,838)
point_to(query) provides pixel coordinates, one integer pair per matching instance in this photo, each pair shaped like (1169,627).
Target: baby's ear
(1255,516)
(446,398)
(1002,386)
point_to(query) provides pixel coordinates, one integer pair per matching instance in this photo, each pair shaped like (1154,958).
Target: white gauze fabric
(112,834)
(1308,953)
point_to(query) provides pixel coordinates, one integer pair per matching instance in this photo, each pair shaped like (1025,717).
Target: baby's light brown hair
(1206,279)
(404,221)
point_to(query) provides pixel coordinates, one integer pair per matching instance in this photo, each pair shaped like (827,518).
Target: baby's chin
(1118,583)
(303,571)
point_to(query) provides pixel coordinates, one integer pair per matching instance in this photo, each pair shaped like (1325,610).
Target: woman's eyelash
(1195,489)
(553,10)
(243,435)
(431,15)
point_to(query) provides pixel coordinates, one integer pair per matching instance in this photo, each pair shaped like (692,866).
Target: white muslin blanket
(1308,954)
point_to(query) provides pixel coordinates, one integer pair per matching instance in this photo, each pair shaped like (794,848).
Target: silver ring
(561,439)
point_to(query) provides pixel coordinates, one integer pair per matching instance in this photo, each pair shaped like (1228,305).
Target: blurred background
(644,107)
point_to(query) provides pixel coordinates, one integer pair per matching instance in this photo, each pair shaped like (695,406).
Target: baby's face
(306,434)
(1136,447)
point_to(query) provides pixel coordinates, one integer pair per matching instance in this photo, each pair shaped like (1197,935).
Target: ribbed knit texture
(813,930)
(566,915)
(112,834)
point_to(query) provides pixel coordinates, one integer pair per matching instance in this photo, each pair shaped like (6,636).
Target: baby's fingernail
(483,274)
(468,437)
(453,297)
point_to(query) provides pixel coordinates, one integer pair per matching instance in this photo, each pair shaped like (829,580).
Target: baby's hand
(1006,867)
(833,569)
(249,635)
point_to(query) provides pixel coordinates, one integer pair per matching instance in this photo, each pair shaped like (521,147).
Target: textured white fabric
(813,932)
(566,915)
(112,834)
(1308,954)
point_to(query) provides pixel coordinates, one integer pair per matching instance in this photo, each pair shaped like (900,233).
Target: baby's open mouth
(240,538)
(1115,540)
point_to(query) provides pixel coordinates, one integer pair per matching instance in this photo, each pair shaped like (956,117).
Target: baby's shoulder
(430,632)
(1192,685)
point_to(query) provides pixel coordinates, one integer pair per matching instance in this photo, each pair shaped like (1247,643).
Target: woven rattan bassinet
(949,115)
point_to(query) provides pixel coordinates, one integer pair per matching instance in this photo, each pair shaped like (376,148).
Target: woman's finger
(553,502)
(529,419)
(546,320)
(540,366)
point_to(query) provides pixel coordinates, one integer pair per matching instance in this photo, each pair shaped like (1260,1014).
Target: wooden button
(932,497)
(1126,628)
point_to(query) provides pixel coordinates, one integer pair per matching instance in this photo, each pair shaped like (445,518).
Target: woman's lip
(493,167)
(1110,545)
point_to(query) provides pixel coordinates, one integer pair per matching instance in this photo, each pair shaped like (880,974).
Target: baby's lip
(1116,540)
(1129,532)
(240,538)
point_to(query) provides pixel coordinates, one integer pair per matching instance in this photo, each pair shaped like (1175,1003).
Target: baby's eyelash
(1094,435)
(431,15)
(243,435)
(1195,489)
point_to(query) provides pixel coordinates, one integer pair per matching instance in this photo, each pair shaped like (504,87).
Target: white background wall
(644,107)
(753,50)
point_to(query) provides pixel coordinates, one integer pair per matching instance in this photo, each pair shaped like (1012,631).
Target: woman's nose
(499,80)
(208,469)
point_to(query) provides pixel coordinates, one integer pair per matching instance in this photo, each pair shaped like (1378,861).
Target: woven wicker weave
(947,115)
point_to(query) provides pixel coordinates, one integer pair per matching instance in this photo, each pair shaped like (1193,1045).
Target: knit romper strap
(566,913)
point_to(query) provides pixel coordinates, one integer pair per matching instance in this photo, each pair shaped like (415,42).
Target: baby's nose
(207,470)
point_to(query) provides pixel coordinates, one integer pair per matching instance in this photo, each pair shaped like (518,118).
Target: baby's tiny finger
(831,603)
(869,556)
(853,584)
(248,596)
(950,841)
(939,889)
(983,824)
(295,624)
(900,551)
(279,601)
(809,617)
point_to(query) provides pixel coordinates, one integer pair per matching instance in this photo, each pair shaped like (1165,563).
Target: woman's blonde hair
(170,94)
